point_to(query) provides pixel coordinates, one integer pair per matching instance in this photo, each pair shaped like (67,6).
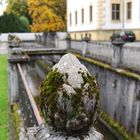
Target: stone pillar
(44,38)
(56,41)
(117,52)
(68,40)
(39,38)
(48,40)
(85,45)
(35,37)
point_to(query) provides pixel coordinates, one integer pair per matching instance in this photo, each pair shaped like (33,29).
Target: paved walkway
(3,47)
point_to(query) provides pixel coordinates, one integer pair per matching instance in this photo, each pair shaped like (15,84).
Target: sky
(2,7)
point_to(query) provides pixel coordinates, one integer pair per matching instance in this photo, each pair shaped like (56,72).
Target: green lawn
(4,130)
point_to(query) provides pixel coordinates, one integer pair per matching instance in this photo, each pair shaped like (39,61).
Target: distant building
(100,18)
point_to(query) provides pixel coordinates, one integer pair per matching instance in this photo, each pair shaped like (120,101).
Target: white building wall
(77,5)
(134,23)
(109,25)
(102,26)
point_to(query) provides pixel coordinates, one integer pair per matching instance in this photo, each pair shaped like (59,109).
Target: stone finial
(69,96)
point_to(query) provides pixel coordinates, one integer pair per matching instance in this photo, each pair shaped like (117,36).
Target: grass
(4,129)
(16,120)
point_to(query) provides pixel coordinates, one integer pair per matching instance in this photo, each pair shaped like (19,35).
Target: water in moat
(34,81)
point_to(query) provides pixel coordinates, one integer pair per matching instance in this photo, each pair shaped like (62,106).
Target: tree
(18,7)
(24,23)
(47,15)
(59,8)
(12,23)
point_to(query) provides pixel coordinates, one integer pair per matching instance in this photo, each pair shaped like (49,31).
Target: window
(82,15)
(115,11)
(70,19)
(76,17)
(129,9)
(90,13)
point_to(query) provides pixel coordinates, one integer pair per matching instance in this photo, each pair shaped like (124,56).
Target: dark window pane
(117,7)
(115,11)
(113,6)
(90,13)
(129,9)
(82,15)
(76,17)
(70,19)
(117,16)
(113,15)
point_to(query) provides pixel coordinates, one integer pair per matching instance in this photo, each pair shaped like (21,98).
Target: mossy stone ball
(69,97)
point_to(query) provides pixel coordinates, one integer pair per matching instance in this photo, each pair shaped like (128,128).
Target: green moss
(77,104)
(79,91)
(43,66)
(65,95)
(45,52)
(52,82)
(95,62)
(93,87)
(116,126)
(16,119)
(37,99)
(109,67)
(49,88)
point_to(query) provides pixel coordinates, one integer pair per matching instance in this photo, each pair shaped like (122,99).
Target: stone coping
(120,71)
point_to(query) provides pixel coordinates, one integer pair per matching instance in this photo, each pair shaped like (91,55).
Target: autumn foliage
(47,15)
(17,7)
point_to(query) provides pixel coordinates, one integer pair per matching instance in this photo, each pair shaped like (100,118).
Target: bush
(12,23)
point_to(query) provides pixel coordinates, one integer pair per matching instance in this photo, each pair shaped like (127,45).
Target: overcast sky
(2,7)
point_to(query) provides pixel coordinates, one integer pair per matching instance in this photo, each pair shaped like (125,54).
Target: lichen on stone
(69,96)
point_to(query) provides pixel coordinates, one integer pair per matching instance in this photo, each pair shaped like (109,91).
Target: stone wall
(22,36)
(118,96)
(100,51)
(103,51)
(131,57)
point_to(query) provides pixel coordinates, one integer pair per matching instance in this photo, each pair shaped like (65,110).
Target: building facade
(100,18)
